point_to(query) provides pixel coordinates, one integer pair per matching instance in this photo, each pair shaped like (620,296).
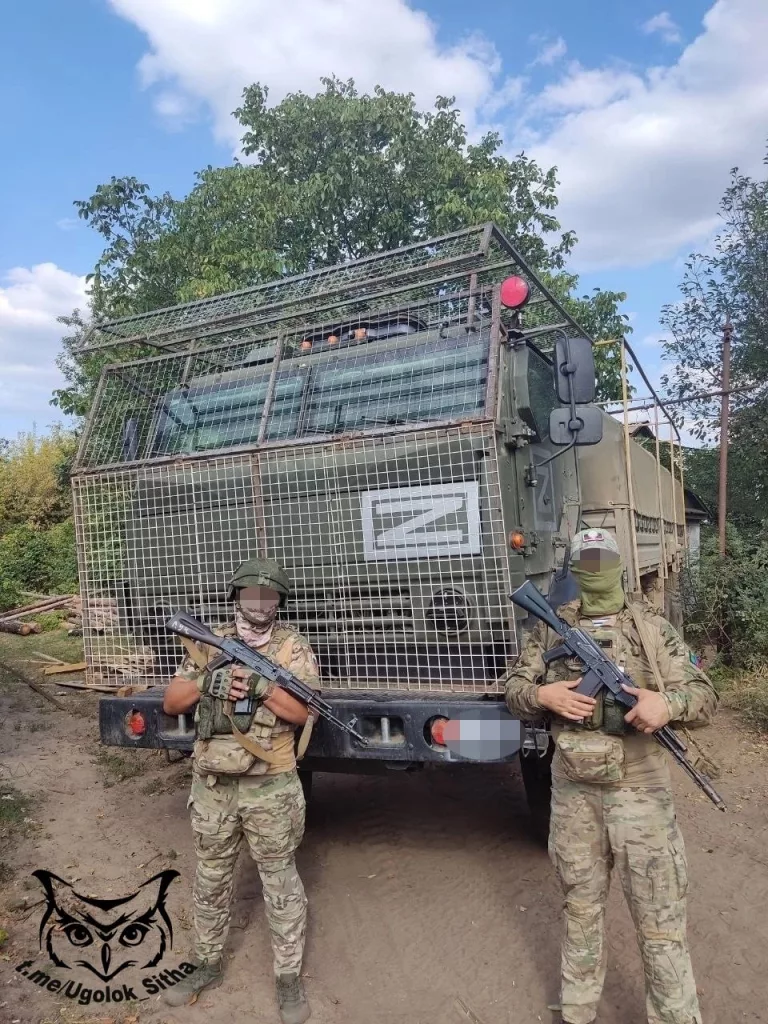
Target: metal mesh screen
(395,544)
(425,363)
(413,273)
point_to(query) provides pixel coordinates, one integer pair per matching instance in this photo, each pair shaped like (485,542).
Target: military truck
(411,435)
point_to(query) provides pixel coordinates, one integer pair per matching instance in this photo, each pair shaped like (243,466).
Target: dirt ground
(429,903)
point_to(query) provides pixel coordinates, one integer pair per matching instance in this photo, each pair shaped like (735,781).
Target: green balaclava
(596,566)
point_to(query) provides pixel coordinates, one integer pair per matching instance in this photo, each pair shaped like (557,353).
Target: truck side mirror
(585,424)
(574,368)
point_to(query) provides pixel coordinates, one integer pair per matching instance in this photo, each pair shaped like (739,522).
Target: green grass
(50,620)
(119,767)
(747,692)
(15,809)
(154,787)
(18,650)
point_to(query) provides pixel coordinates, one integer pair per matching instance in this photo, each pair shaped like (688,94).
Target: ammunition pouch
(613,717)
(217,714)
(595,720)
(596,759)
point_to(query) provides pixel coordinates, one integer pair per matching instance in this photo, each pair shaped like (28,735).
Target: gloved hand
(233,682)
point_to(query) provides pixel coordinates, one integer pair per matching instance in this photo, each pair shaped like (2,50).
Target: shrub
(43,561)
(729,598)
(10,595)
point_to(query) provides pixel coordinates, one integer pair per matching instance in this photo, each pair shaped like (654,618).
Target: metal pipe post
(722,494)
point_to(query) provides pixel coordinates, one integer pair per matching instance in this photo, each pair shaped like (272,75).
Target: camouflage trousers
(594,827)
(268,811)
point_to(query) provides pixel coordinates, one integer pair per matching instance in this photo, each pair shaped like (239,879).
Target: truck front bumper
(398,729)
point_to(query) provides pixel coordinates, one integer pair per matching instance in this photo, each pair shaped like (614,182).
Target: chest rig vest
(248,742)
(621,639)
(608,714)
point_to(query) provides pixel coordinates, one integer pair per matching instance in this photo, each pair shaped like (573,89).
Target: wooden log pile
(131,665)
(100,613)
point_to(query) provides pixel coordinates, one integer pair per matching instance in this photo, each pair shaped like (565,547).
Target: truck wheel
(537,779)
(305,778)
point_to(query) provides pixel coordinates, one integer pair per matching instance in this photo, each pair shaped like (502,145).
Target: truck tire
(537,780)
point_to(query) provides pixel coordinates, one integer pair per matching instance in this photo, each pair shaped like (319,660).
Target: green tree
(335,176)
(32,480)
(729,283)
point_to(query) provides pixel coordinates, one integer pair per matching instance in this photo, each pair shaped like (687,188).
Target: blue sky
(643,107)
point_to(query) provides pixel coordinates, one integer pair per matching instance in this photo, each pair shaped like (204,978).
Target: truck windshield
(441,379)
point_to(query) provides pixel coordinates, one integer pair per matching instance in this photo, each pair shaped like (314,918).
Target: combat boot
(291,1000)
(206,975)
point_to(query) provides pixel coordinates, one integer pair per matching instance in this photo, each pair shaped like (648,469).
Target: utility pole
(722,497)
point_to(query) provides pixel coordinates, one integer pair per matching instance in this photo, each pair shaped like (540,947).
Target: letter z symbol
(405,533)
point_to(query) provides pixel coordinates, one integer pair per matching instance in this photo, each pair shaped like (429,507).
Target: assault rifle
(601,673)
(235,650)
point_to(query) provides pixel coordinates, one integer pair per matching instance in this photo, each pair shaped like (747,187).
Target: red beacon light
(515,292)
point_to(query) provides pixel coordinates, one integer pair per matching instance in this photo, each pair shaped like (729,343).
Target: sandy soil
(429,903)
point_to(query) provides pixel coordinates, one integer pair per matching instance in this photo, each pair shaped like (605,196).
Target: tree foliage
(729,283)
(37,537)
(333,177)
(33,481)
(730,598)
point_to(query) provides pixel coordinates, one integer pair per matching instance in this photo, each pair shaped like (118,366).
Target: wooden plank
(80,685)
(33,686)
(52,670)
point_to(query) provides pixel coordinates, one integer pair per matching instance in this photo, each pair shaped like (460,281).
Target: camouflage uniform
(263,802)
(629,821)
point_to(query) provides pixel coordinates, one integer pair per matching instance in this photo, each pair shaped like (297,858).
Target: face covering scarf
(601,592)
(254,636)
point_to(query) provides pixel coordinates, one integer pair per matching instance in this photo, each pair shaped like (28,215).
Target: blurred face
(596,560)
(259,605)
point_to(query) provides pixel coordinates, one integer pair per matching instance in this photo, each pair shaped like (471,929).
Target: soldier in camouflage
(611,789)
(245,785)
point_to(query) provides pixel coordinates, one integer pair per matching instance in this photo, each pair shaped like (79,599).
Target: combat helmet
(594,540)
(259,572)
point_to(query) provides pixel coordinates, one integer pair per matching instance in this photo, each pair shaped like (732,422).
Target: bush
(34,488)
(748,693)
(62,558)
(48,621)
(44,561)
(10,595)
(730,599)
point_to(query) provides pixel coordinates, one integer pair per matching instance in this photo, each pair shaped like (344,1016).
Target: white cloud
(551,52)
(663,24)
(206,51)
(30,301)
(643,158)
(643,154)
(586,89)
(509,93)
